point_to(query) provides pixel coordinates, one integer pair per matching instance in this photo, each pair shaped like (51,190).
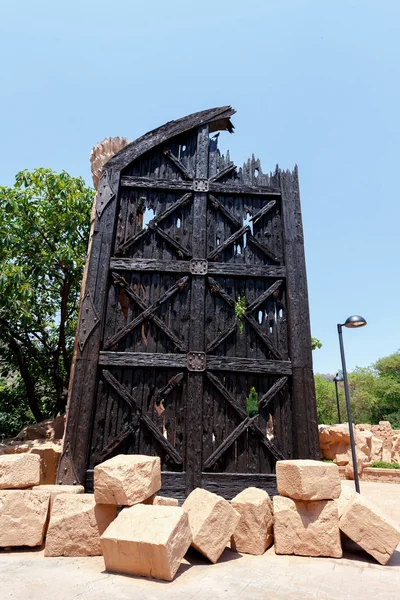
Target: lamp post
(338,379)
(352,322)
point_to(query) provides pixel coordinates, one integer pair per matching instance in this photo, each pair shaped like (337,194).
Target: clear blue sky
(314,82)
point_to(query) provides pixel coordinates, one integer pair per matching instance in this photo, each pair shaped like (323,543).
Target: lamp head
(355,321)
(337,378)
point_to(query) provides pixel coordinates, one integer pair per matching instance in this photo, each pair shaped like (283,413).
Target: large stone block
(55,490)
(127,479)
(49,453)
(370,528)
(212,521)
(308,479)
(18,471)
(23,516)
(344,498)
(376,449)
(254,532)
(76,523)
(306,528)
(147,540)
(161,501)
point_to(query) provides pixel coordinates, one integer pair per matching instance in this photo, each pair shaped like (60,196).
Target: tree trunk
(27,379)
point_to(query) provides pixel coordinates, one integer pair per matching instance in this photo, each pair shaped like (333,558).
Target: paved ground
(30,576)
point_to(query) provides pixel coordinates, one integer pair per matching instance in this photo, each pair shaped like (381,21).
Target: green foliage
(315,343)
(14,413)
(252,403)
(374,394)
(240,309)
(44,228)
(381,464)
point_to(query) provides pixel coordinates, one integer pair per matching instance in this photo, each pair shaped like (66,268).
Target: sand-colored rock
(127,479)
(335,441)
(362,460)
(48,451)
(254,533)
(147,540)
(212,521)
(344,498)
(370,528)
(23,516)
(76,523)
(306,528)
(396,448)
(376,449)
(55,490)
(308,479)
(384,432)
(18,471)
(161,501)
(50,429)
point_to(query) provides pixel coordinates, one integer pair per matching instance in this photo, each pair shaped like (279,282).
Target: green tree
(315,343)
(44,228)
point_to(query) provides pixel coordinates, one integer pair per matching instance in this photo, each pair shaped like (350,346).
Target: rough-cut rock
(127,479)
(254,533)
(344,498)
(48,451)
(76,523)
(18,471)
(23,516)
(366,525)
(396,448)
(212,521)
(55,490)
(161,501)
(308,479)
(335,441)
(376,449)
(147,540)
(51,429)
(361,461)
(384,432)
(306,528)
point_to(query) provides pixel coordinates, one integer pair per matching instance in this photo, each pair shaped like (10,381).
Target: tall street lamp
(337,379)
(352,322)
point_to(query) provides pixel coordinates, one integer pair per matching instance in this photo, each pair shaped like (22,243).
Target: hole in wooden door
(260,316)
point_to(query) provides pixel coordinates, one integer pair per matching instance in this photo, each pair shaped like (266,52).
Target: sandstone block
(396,448)
(306,528)
(18,471)
(384,432)
(23,516)
(308,479)
(48,451)
(55,490)
(254,532)
(212,521)
(161,501)
(76,523)
(376,449)
(361,461)
(344,498)
(370,528)
(127,479)
(147,540)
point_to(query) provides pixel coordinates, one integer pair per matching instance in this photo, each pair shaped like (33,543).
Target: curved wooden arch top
(218,118)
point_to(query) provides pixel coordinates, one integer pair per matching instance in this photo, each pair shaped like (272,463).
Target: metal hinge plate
(196,361)
(88,320)
(198,266)
(201,185)
(104,193)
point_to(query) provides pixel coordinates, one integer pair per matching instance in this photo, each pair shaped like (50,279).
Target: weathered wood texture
(196,293)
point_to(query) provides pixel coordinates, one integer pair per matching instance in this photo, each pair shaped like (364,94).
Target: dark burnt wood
(183,240)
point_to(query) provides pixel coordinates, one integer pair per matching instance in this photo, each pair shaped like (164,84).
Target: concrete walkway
(30,576)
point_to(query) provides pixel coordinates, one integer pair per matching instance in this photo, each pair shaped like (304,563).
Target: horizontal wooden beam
(231,189)
(155,184)
(250,365)
(229,485)
(150,264)
(227,269)
(142,359)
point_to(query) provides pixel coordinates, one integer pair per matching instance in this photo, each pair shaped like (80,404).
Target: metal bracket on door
(196,361)
(201,185)
(198,266)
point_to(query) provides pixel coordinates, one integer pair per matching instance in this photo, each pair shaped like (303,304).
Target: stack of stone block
(306,516)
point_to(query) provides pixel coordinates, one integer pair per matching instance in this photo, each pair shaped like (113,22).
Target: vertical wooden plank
(196,330)
(305,424)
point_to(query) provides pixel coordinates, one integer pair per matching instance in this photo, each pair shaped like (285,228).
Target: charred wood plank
(268,396)
(173,383)
(223,172)
(155,184)
(273,288)
(181,249)
(235,363)
(225,244)
(175,160)
(265,209)
(228,441)
(263,248)
(231,189)
(167,446)
(146,314)
(132,240)
(142,359)
(225,269)
(150,264)
(227,213)
(229,485)
(215,288)
(115,442)
(220,338)
(180,202)
(265,338)
(120,389)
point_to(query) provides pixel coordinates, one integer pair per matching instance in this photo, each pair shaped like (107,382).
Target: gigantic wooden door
(195,306)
